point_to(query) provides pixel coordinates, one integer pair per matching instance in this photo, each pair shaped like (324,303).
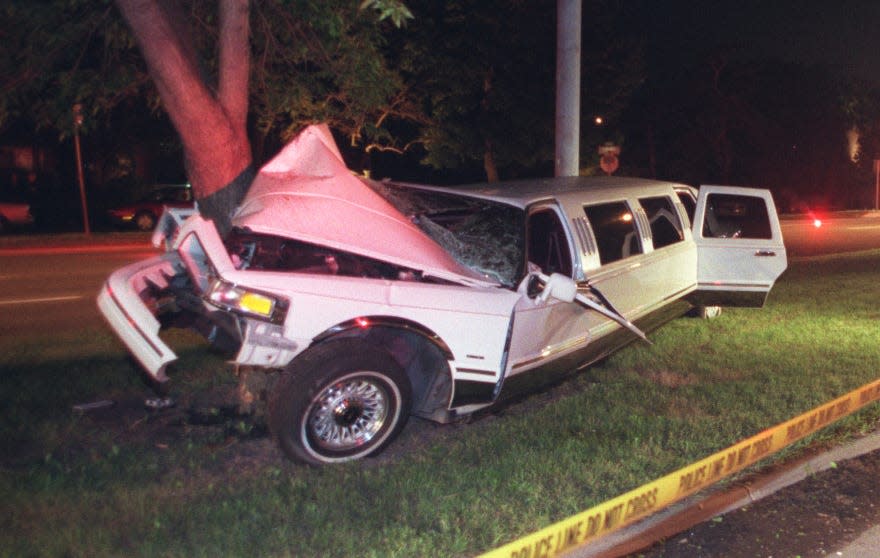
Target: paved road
(840,233)
(823,505)
(54,289)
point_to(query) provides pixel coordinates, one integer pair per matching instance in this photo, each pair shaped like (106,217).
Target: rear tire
(339,401)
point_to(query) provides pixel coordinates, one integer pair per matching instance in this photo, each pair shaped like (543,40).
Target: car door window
(666,228)
(547,243)
(735,216)
(615,230)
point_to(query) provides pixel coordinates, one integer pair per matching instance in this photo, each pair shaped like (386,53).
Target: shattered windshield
(482,235)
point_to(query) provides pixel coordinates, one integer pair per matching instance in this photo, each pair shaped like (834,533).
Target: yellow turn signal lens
(257,304)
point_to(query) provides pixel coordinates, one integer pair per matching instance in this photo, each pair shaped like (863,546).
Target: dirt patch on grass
(668,378)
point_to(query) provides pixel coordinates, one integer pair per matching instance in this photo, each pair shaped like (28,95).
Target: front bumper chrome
(125,301)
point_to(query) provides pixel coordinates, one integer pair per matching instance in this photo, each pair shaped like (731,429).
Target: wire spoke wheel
(338,401)
(348,413)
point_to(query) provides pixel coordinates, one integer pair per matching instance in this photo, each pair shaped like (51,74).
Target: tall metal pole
(568,87)
(77,123)
(876,184)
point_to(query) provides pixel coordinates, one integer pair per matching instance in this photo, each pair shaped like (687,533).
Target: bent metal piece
(562,288)
(126,313)
(584,301)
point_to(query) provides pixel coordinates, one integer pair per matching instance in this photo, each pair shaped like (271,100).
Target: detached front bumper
(129,304)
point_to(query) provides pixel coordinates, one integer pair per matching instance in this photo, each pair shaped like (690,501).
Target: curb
(697,509)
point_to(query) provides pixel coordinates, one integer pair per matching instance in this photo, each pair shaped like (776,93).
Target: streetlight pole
(77,123)
(568,87)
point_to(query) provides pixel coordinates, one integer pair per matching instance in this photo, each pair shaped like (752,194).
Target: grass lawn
(73,485)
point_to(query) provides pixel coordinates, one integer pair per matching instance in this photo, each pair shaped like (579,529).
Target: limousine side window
(547,244)
(665,225)
(734,216)
(689,203)
(615,230)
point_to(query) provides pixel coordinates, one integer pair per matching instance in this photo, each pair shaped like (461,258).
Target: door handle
(765,253)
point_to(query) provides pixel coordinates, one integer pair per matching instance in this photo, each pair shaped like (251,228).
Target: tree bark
(489,166)
(212,123)
(234,61)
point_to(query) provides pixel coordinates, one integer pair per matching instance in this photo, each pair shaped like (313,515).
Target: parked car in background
(144,213)
(15,212)
(360,303)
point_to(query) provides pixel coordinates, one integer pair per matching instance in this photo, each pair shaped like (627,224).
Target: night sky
(843,35)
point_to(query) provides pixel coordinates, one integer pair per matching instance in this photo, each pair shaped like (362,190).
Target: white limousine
(364,302)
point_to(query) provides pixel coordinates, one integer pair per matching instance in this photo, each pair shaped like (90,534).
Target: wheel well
(419,352)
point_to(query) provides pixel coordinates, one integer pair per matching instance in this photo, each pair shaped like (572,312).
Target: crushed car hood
(307,193)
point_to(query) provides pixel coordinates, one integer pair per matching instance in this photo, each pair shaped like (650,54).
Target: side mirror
(559,287)
(541,287)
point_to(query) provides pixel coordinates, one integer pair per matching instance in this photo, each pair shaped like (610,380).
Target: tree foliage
(732,120)
(485,73)
(57,53)
(471,82)
(313,60)
(316,60)
(322,61)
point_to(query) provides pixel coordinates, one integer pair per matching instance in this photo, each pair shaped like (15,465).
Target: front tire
(339,401)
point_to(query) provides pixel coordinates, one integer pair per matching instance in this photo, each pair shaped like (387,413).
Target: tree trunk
(211,121)
(489,165)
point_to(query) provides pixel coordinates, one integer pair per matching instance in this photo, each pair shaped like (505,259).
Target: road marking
(864,228)
(11,301)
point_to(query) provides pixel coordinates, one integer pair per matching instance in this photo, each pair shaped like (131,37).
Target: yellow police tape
(636,504)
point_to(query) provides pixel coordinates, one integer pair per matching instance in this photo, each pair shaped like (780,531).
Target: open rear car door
(739,246)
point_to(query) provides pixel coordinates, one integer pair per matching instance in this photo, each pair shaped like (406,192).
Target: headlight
(245,301)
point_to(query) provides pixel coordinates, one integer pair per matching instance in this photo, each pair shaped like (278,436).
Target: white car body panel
(472,319)
(548,330)
(472,322)
(743,264)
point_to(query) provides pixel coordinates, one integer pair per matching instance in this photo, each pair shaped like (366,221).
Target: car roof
(523,193)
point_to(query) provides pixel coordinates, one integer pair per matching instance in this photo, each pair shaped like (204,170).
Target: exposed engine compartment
(275,253)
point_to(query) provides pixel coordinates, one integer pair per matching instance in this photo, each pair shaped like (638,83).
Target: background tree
(209,114)
(314,61)
(725,118)
(484,71)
